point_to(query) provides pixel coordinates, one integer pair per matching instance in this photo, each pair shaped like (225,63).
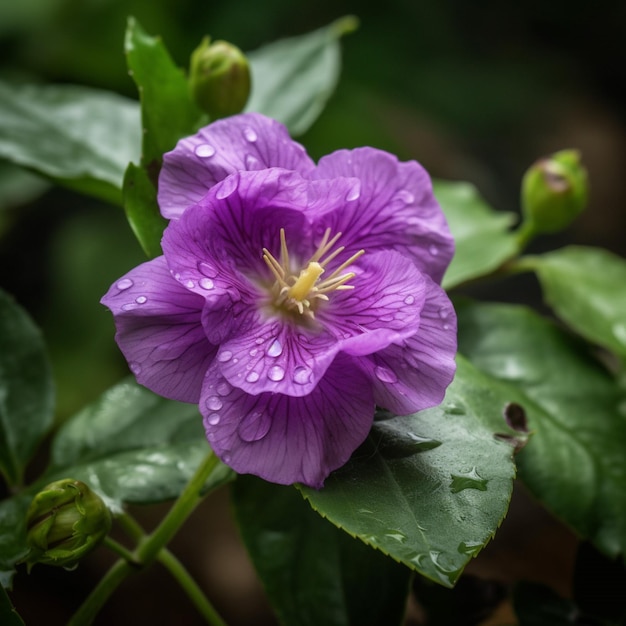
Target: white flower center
(301,289)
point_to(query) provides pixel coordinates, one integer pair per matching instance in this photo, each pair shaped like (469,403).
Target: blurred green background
(473,90)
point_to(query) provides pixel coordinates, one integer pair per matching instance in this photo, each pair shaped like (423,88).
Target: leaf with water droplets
(481,235)
(574,462)
(425,484)
(585,287)
(312,572)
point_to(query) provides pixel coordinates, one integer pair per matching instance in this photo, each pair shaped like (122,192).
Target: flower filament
(300,291)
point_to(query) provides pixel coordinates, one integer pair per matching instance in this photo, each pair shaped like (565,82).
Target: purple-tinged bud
(554,192)
(219,78)
(66,520)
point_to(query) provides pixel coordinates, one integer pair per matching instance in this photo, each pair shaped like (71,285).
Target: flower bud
(219,78)
(65,521)
(554,192)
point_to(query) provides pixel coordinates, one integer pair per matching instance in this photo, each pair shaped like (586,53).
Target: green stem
(191,588)
(131,526)
(120,549)
(149,547)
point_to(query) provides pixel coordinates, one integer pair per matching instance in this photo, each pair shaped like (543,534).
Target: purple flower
(290,298)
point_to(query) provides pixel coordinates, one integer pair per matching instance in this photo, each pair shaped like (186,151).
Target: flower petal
(284,439)
(396,208)
(243,142)
(159,331)
(413,374)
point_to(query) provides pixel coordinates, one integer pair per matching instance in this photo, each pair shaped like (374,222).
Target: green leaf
(574,462)
(12,535)
(292,79)
(586,289)
(314,573)
(142,210)
(8,614)
(132,446)
(482,237)
(167,110)
(80,137)
(26,389)
(429,489)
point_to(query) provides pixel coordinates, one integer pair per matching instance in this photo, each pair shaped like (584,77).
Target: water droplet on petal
(409,300)
(223,388)
(226,187)
(226,457)
(206,283)
(259,341)
(354,193)
(434,250)
(276,349)
(141,299)
(213,403)
(252,377)
(446,326)
(385,375)
(276,373)
(253,352)
(254,426)
(443,313)
(213,419)
(205,150)
(252,163)
(404,196)
(135,368)
(224,356)
(249,135)
(301,375)
(125,283)
(190,284)
(207,270)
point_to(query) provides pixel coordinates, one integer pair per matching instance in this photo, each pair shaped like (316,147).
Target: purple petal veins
(290,298)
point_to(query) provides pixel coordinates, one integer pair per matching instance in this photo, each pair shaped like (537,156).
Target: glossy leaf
(314,573)
(429,489)
(482,236)
(586,289)
(132,446)
(12,535)
(574,462)
(292,79)
(83,138)
(142,210)
(26,389)
(8,615)
(167,110)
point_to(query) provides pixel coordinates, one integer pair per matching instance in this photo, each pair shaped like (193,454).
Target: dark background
(473,90)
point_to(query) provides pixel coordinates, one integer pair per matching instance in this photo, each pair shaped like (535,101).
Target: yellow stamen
(305,282)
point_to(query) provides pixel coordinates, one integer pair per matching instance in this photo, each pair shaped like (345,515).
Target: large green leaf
(167,110)
(26,389)
(12,536)
(429,489)
(586,287)
(314,573)
(8,614)
(292,79)
(81,137)
(482,237)
(575,462)
(133,446)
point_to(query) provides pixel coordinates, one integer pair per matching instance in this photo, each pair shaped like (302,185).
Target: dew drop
(128,307)
(354,193)
(249,135)
(135,368)
(206,283)
(301,375)
(446,326)
(276,373)
(224,356)
(276,349)
(404,196)
(226,457)
(252,377)
(125,283)
(254,426)
(205,150)
(223,388)
(253,352)
(207,270)
(409,300)
(213,419)
(434,250)
(385,375)
(469,480)
(226,187)
(190,284)
(443,313)
(259,341)
(213,403)
(252,163)
(141,299)
(454,409)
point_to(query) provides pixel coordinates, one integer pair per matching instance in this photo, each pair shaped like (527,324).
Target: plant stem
(196,595)
(120,549)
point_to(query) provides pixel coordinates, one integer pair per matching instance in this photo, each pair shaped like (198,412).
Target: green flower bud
(65,521)
(219,78)
(554,192)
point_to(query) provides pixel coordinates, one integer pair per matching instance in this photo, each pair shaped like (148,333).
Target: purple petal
(383,307)
(413,375)
(396,209)
(242,142)
(159,331)
(284,439)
